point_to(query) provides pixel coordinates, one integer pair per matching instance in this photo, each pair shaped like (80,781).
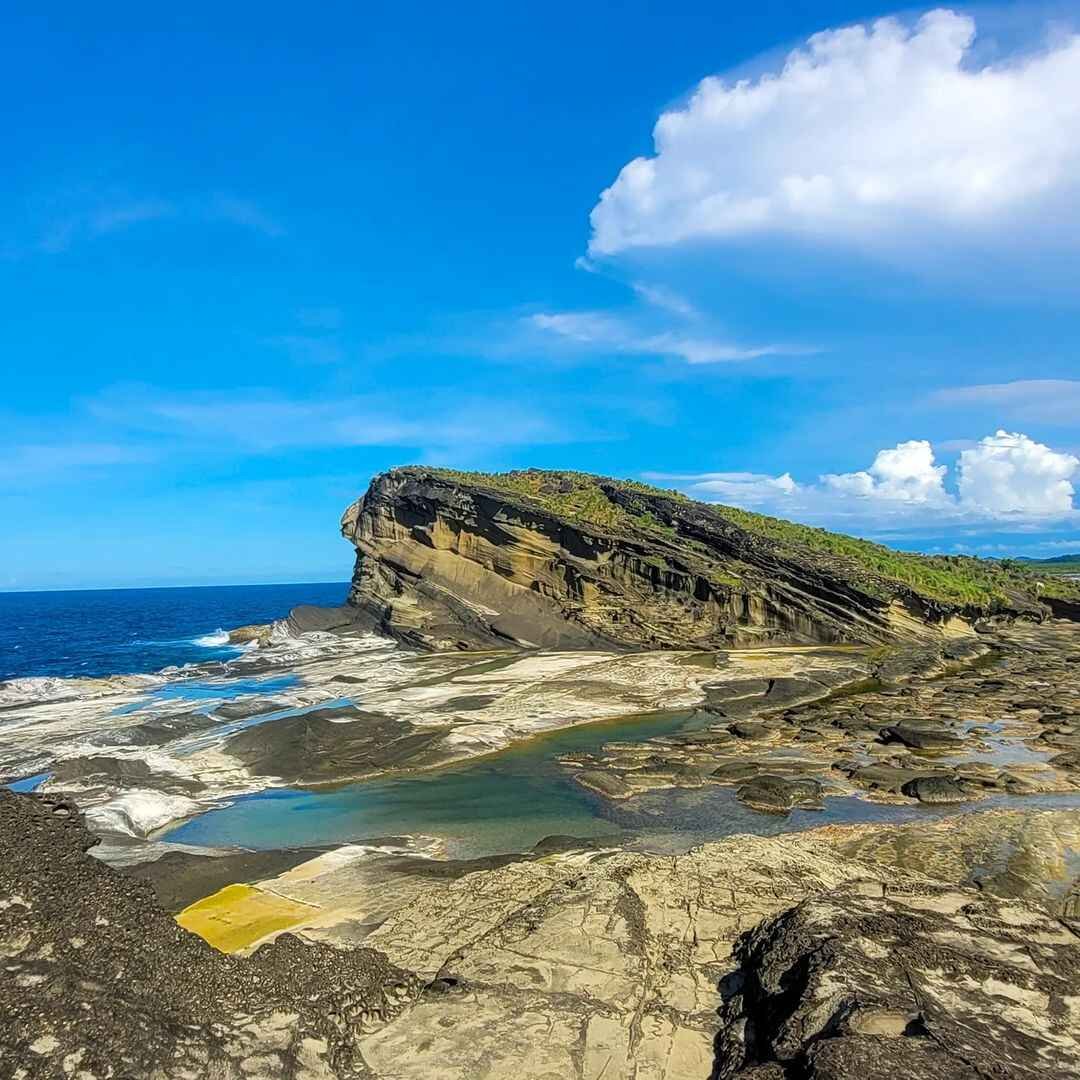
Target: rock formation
(1003,723)
(870,982)
(565,560)
(757,958)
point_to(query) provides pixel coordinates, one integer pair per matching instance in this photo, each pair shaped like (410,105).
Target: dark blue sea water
(123,631)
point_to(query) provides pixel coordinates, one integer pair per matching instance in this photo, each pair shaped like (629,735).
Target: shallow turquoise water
(510,801)
(196,690)
(505,802)
(28,783)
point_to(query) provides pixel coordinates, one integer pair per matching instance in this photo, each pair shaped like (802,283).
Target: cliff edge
(569,560)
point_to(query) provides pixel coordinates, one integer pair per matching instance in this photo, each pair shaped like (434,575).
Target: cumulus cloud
(906,473)
(600,330)
(1008,473)
(865,134)
(1004,478)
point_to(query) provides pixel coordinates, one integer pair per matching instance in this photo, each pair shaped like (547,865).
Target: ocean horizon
(90,633)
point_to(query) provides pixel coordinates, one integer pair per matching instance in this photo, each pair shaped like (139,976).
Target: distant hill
(1059,564)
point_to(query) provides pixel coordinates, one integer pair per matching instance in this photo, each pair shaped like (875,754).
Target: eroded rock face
(448,563)
(868,983)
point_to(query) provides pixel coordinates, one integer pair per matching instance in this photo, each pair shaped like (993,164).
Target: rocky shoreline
(783,728)
(947,948)
(1001,716)
(828,955)
(784,668)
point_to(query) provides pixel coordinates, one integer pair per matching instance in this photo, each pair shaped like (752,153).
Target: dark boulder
(922,736)
(936,790)
(778,794)
(749,729)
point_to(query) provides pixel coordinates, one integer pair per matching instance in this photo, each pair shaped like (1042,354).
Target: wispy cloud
(1052,401)
(115,218)
(666,299)
(107,216)
(600,330)
(245,214)
(137,425)
(263,422)
(112,217)
(33,462)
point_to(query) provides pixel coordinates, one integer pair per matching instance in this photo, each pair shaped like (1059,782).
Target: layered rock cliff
(567,560)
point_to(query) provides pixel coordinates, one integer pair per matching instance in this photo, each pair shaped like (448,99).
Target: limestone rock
(778,795)
(936,790)
(922,736)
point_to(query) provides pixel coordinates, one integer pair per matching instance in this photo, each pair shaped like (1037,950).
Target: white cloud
(906,473)
(113,218)
(866,134)
(1006,479)
(28,463)
(664,298)
(1008,473)
(243,213)
(601,330)
(751,490)
(1045,400)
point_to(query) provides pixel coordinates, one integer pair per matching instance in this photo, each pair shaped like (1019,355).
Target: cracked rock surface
(875,982)
(825,954)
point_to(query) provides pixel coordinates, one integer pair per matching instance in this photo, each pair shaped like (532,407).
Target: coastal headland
(330,856)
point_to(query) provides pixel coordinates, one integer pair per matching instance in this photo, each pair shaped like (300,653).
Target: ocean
(97,632)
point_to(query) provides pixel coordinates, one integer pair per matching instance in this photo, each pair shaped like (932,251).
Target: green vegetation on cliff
(954,579)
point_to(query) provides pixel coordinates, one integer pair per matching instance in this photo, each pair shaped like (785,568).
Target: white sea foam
(210,641)
(41,688)
(138,813)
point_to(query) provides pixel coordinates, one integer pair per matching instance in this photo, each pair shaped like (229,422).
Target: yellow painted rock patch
(240,915)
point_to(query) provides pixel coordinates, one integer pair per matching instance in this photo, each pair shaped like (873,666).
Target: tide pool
(511,800)
(505,802)
(197,690)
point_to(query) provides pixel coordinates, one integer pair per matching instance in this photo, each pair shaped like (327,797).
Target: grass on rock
(961,580)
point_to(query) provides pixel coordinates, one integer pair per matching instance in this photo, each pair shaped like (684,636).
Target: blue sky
(252,255)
